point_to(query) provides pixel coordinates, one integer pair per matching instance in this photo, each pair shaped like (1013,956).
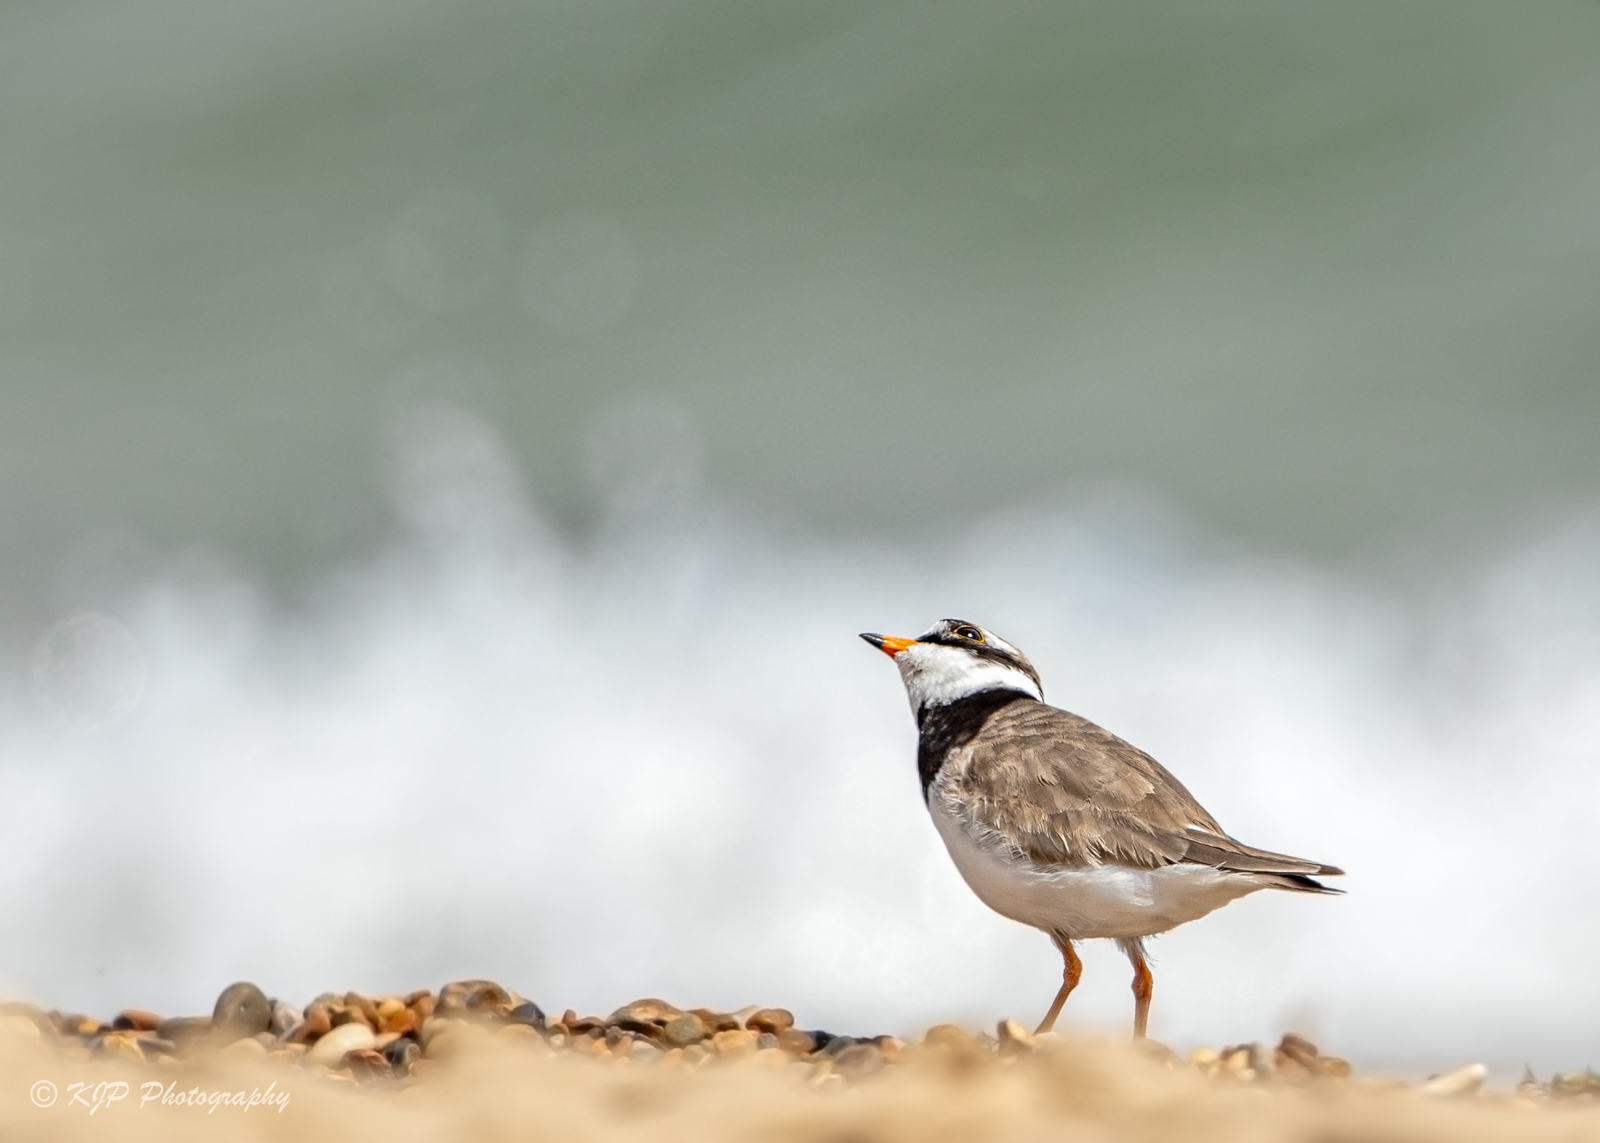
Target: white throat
(935,674)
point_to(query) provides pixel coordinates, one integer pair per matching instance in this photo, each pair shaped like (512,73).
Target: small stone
(365,1064)
(153,1046)
(402,1021)
(1333,1066)
(402,1054)
(733,1043)
(715,1022)
(136,1020)
(383,1039)
(285,1019)
(796,1042)
(424,1005)
(388,1006)
(527,1013)
(74,1024)
(859,1060)
(331,1048)
(412,999)
(772,1020)
(480,999)
(185,1032)
(316,1025)
(368,1010)
(647,1015)
(350,1014)
(1298,1047)
(683,1030)
(242,1010)
(646,1053)
(1204,1058)
(1236,1063)
(766,1041)
(836,1044)
(1014,1037)
(1461,1082)
(947,1036)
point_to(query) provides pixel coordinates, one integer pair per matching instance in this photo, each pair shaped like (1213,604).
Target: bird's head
(954,659)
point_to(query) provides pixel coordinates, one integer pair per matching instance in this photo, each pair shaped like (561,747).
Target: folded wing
(1073,794)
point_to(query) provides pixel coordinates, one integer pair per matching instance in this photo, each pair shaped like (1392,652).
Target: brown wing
(1075,794)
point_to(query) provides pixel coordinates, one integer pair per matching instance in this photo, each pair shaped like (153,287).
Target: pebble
(285,1019)
(772,1020)
(316,1024)
(528,1013)
(477,998)
(1014,1037)
(796,1042)
(403,1021)
(402,1053)
(331,1048)
(733,1043)
(1462,1081)
(137,1020)
(351,1014)
(683,1030)
(366,1039)
(715,1022)
(242,1010)
(368,1010)
(643,1014)
(77,1025)
(365,1063)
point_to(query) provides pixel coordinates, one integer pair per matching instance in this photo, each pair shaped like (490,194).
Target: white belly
(1097,901)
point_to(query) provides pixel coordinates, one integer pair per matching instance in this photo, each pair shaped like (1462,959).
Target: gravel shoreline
(398,1040)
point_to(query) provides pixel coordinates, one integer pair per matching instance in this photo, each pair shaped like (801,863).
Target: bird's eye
(967,631)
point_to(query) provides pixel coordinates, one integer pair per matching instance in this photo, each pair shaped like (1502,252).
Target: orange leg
(1071,970)
(1144,985)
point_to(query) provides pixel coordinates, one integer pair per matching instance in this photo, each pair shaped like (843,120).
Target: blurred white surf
(659,762)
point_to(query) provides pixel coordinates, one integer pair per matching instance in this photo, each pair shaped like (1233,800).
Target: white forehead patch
(935,674)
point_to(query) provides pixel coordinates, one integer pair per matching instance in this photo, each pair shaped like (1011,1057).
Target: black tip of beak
(876,640)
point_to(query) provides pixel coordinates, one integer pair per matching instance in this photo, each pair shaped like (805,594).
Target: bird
(1059,824)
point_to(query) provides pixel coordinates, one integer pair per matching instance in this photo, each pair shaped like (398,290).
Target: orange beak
(888,644)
